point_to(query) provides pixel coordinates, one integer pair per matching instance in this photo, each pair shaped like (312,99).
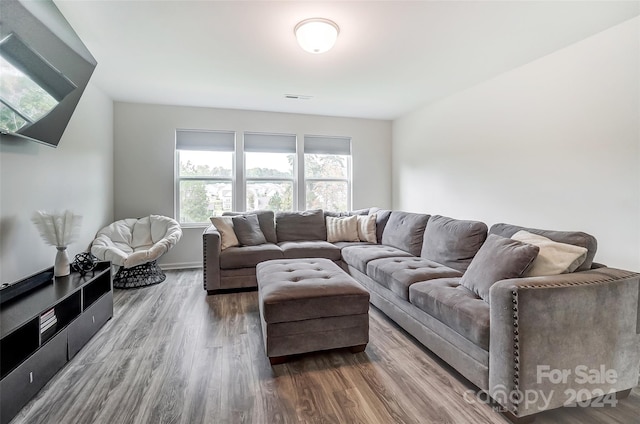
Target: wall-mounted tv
(44,69)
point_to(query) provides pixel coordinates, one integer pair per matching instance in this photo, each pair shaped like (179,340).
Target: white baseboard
(181,265)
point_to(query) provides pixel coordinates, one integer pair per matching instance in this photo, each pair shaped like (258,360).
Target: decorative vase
(61,267)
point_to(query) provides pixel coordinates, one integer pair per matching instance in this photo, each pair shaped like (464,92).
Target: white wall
(145,148)
(554,144)
(78,175)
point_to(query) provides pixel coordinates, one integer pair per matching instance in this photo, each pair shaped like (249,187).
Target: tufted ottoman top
(302,289)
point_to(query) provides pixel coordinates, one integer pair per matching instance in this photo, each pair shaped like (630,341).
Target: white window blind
(218,141)
(276,171)
(269,143)
(323,145)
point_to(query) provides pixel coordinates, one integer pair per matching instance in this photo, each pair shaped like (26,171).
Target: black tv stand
(42,328)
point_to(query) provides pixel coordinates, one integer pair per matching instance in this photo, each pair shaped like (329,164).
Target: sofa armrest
(211,258)
(560,339)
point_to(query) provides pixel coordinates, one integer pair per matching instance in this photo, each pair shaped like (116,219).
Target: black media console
(44,326)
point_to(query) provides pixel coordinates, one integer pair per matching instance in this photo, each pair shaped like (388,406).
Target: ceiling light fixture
(316,35)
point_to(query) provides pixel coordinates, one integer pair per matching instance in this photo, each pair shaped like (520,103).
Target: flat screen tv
(44,69)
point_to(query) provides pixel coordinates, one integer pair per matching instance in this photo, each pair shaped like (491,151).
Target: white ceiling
(391,57)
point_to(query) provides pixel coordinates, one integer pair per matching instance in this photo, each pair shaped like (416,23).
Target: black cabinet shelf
(18,346)
(44,326)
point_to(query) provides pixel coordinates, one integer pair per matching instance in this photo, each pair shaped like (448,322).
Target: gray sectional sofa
(510,338)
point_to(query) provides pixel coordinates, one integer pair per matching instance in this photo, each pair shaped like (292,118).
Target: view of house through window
(269,171)
(207,183)
(269,181)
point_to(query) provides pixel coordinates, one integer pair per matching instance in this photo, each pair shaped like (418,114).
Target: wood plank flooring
(171,354)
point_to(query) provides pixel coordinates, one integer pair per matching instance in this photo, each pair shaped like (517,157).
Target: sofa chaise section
(579,321)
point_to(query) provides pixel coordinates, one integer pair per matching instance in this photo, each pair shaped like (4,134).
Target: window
(204,161)
(269,164)
(279,172)
(327,172)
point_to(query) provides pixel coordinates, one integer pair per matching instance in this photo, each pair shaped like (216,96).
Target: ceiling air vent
(297,97)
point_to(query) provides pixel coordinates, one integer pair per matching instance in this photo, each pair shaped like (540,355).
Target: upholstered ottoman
(308,305)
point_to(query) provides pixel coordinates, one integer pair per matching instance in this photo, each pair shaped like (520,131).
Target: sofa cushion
(249,256)
(382,216)
(247,229)
(452,242)
(334,214)
(405,230)
(309,249)
(224,225)
(554,258)
(577,238)
(454,305)
(397,274)
(266,220)
(362,212)
(342,228)
(499,258)
(307,225)
(360,255)
(343,244)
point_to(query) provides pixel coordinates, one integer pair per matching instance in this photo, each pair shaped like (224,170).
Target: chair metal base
(139,276)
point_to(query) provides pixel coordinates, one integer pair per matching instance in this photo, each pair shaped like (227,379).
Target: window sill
(201,225)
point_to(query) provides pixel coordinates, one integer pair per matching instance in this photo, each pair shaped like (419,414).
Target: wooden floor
(171,354)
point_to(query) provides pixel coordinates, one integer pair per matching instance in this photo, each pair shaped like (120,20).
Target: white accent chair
(134,245)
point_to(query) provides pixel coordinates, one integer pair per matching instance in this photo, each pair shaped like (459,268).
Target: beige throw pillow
(224,225)
(342,229)
(367,228)
(554,258)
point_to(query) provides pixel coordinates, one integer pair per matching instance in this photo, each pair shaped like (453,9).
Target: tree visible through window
(205,184)
(327,172)
(327,181)
(22,101)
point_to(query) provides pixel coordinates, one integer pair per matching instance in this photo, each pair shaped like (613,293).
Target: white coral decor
(58,229)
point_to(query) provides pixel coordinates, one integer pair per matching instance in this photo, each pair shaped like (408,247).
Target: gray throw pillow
(382,216)
(266,220)
(247,229)
(499,258)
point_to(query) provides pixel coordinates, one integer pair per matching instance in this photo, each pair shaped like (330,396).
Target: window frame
(178,178)
(328,145)
(239,179)
(293,179)
(333,179)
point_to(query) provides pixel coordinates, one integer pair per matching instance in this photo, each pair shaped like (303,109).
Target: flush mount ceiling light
(316,35)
